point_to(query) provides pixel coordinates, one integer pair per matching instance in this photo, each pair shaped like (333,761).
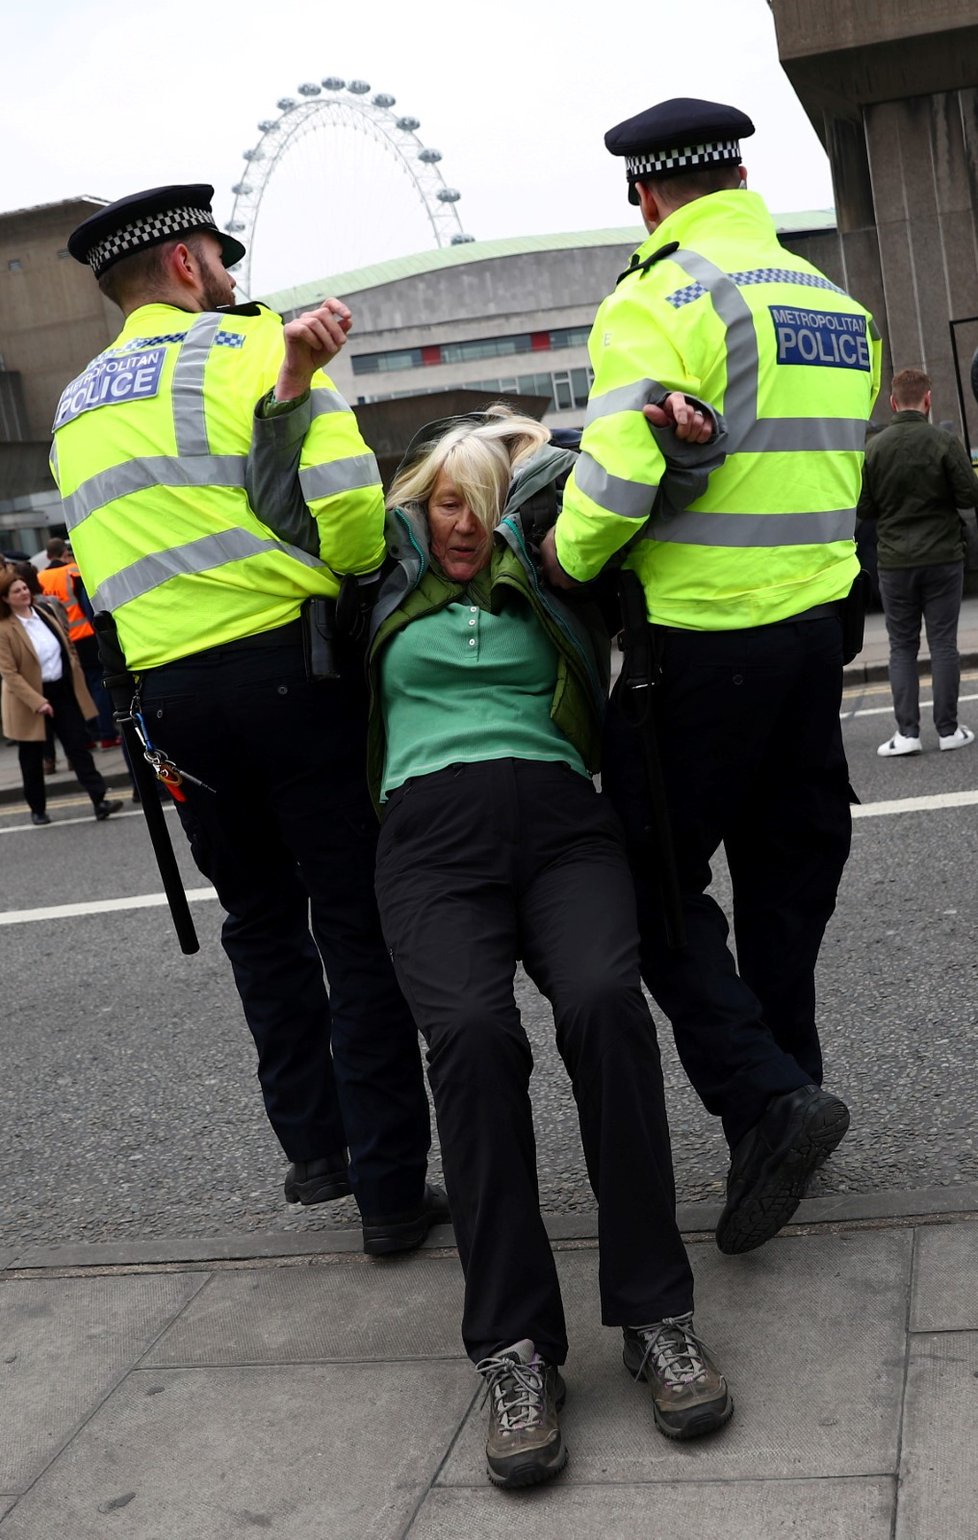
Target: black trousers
(69,727)
(751,749)
(477,866)
(288,839)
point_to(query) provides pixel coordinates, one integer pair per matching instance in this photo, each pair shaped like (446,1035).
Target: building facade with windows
(506,317)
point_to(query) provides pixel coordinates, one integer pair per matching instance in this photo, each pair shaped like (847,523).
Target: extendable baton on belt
(636,685)
(121,686)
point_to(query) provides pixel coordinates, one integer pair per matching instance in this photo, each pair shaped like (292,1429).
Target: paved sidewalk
(324,1396)
(871,664)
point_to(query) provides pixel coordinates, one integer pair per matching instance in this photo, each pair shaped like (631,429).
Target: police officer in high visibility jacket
(746,571)
(153,449)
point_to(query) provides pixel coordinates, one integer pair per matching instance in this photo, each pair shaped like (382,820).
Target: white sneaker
(959,739)
(898,744)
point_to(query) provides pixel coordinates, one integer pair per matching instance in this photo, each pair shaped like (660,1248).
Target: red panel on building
(431,355)
(540,342)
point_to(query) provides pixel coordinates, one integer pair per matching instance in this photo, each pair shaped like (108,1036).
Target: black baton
(634,695)
(121,686)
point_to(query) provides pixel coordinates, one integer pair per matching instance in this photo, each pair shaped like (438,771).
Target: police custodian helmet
(683,134)
(148,219)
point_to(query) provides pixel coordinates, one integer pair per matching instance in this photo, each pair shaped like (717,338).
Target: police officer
(153,455)
(746,577)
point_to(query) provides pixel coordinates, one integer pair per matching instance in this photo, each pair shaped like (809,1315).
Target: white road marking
(916,804)
(883,711)
(65,823)
(198,895)
(98,906)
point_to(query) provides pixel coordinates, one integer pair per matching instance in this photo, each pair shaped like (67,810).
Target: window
(15,265)
(472,348)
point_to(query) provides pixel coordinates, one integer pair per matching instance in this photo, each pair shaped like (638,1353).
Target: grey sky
(108,96)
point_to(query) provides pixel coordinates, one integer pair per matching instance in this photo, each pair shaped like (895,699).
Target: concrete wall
(531,291)
(890,88)
(53,318)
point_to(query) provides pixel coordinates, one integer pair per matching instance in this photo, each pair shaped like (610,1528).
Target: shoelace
(675,1350)
(517,1391)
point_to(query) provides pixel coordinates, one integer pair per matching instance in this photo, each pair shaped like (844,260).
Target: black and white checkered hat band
(686,159)
(148,231)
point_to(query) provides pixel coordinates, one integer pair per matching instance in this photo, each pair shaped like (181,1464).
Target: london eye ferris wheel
(338,178)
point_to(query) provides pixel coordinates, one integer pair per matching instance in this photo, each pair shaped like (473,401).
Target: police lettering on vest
(132,377)
(821,337)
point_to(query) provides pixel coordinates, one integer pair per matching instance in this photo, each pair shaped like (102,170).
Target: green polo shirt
(462,685)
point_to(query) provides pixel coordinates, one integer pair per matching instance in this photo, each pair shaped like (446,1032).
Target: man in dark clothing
(915,479)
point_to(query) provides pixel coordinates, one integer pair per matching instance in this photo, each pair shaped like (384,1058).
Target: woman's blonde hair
(479,457)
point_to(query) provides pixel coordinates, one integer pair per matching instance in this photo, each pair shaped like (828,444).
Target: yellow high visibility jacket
(151,456)
(715,307)
(59,583)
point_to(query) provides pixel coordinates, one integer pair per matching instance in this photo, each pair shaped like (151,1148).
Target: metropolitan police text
(826,337)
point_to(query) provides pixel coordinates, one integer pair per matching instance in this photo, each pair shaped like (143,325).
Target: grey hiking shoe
(524,1444)
(689,1394)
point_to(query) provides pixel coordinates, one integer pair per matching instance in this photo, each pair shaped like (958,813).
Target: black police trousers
(477,866)
(288,839)
(751,749)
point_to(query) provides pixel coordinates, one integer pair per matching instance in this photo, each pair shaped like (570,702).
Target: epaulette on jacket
(643,267)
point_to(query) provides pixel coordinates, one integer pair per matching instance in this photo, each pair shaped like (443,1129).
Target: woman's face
(19,595)
(459,543)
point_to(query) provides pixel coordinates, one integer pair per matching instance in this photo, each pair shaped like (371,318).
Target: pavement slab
(749,1510)
(355,1309)
(64,1344)
(811,1334)
(297,1452)
(945,1296)
(6,1503)
(939,1476)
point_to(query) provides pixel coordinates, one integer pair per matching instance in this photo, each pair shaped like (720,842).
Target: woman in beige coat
(42,678)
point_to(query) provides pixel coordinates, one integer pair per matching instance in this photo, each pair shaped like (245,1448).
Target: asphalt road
(129,1106)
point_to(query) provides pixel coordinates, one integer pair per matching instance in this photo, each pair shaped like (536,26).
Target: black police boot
(317,1181)
(770,1167)
(40,818)
(405,1231)
(104,809)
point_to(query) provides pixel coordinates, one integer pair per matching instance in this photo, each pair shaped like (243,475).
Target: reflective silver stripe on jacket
(197,556)
(624,398)
(628,499)
(786,434)
(187,385)
(151,471)
(694,527)
(324,400)
(747,433)
(347,475)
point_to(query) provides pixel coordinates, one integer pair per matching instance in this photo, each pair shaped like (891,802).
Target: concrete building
(892,91)
(500,318)
(53,319)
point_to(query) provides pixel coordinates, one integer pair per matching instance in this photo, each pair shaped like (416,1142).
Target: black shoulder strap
(643,267)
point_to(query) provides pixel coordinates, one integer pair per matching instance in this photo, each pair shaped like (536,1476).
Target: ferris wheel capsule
(309,89)
(359,87)
(334,83)
(383,99)
(286,103)
(448,195)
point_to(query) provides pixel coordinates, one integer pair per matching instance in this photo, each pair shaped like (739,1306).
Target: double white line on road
(941,800)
